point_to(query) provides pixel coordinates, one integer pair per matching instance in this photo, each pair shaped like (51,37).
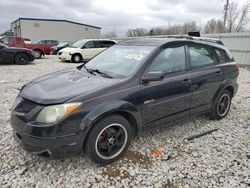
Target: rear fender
(224,85)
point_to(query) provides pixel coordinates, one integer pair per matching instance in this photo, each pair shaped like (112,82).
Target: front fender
(110,107)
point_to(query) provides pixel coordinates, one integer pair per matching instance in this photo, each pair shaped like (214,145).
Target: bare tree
(237,17)
(137,32)
(164,30)
(189,26)
(214,26)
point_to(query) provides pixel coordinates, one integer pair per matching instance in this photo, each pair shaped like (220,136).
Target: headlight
(52,114)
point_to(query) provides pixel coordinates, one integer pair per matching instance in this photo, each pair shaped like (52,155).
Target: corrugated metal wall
(238,43)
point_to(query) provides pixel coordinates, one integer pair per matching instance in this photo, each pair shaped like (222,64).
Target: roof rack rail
(213,40)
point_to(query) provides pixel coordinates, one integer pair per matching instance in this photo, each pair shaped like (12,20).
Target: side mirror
(83,47)
(152,76)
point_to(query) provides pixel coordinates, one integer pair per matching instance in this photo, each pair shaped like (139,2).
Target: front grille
(26,106)
(59,53)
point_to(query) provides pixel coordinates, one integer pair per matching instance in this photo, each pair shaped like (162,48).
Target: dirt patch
(116,169)
(136,157)
(169,185)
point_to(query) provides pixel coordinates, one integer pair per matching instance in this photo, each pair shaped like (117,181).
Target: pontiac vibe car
(132,86)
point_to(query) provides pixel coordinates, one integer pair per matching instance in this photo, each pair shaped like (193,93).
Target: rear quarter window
(223,56)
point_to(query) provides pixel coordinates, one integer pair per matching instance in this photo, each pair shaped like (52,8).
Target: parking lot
(219,159)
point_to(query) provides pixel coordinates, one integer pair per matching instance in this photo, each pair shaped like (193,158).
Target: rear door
(169,99)
(100,45)
(206,76)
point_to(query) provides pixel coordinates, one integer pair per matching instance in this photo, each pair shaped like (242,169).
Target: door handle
(218,73)
(186,81)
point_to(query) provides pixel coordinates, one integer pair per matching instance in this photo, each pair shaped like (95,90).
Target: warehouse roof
(56,20)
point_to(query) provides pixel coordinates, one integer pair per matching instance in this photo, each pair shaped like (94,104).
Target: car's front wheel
(109,139)
(21,59)
(76,58)
(221,105)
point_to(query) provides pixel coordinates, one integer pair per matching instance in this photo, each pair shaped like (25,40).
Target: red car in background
(39,49)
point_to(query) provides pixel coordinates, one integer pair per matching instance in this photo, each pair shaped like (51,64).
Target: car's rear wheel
(21,59)
(109,139)
(76,58)
(37,54)
(221,106)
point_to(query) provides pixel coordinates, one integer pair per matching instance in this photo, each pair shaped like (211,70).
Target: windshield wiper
(100,72)
(88,70)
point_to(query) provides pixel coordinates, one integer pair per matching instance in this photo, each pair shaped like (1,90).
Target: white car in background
(84,49)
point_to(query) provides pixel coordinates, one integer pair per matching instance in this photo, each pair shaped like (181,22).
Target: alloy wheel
(111,141)
(223,105)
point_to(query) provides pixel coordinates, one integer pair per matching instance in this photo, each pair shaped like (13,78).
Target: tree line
(237,21)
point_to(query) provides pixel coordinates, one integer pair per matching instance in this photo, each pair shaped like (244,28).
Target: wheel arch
(123,108)
(37,49)
(227,85)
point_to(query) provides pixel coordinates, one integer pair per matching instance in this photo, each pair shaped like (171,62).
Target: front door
(169,99)
(88,50)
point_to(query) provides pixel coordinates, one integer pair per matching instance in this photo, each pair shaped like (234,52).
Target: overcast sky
(113,15)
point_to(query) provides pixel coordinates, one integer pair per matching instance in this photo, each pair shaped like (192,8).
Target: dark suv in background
(130,87)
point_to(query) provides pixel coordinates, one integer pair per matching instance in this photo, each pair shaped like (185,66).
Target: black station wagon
(133,86)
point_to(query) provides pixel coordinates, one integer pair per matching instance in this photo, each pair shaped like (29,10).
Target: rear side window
(104,44)
(200,56)
(170,60)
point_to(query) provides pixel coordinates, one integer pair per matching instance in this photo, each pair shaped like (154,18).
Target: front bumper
(53,141)
(65,57)
(55,148)
(31,57)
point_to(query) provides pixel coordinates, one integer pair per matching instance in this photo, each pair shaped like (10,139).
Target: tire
(221,105)
(37,54)
(21,59)
(108,140)
(77,58)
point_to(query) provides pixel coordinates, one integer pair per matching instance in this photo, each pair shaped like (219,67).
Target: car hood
(22,49)
(63,85)
(68,49)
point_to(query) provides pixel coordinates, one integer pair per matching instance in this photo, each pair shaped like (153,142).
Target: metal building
(238,43)
(61,30)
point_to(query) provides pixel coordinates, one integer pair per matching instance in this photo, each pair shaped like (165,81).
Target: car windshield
(79,43)
(119,61)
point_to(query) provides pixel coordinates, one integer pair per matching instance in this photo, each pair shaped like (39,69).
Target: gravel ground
(219,159)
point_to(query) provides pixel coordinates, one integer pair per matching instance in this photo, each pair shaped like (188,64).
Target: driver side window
(7,40)
(89,44)
(170,60)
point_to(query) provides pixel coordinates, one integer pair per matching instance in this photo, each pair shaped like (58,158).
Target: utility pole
(225,14)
